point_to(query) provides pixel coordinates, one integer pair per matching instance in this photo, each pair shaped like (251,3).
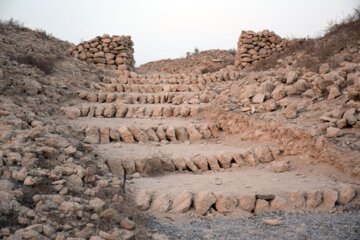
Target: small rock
(333,132)
(127,224)
(278,93)
(280,166)
(291,77)
(333,93)
(97,204)
(258,98)
(291,111)
(29,181)
(324,68)
(105,235)
(272,222)
(32,87)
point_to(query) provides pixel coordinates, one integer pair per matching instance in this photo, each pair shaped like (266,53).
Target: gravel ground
(345,225)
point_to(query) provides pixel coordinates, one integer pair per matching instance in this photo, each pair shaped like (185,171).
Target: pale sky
(168,29)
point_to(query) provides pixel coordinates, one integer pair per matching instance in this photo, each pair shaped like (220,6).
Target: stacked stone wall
(253,47)
(114,52)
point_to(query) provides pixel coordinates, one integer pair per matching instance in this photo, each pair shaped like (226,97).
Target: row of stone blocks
(120,110)
(203,202)
(132,134)
(135,98)
(133,78)
(198,163)
(139,88)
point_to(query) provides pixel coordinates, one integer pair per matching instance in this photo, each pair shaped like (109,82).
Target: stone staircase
(152,129)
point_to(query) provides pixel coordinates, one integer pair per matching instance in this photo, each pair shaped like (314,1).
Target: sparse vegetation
(44,63)
(17,25)
(313,52)
(232,51)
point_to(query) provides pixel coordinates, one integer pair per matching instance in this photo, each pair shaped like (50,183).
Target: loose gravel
(344,225)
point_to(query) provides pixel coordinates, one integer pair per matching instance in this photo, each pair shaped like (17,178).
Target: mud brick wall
(114,52)
(253,47)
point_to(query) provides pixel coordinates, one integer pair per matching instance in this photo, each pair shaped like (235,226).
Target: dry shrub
(44,63)
(11,23)
(43,34)
(232,51)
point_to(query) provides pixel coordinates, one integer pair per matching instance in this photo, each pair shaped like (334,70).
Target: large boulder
(225,204)
(138,134)
(182,202)
(201,162)
(126,135)
(142,200)
(92,135)
(161,203)
(263,153)
(346,193)
(247,202)
(203,201)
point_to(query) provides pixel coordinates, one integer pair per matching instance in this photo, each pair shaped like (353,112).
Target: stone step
(252,190)
(174,78)
(138,88)
(121,110)
(101,131)
(193,157)
(147,98)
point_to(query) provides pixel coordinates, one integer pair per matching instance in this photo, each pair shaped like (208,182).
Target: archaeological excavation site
(262,142)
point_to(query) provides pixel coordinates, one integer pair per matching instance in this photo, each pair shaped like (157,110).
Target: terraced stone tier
(139,88)
(107,130)
(121,110)
(253,190)
(147,98)
(174,78)
(196,157)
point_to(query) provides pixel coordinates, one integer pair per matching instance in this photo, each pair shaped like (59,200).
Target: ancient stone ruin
(109,152)
(115,52)
(253,47)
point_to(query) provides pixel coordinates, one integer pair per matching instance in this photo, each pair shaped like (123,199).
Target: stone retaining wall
(253,47)
(114,52)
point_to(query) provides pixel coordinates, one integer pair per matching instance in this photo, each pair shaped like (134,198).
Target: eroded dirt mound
(202,62)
